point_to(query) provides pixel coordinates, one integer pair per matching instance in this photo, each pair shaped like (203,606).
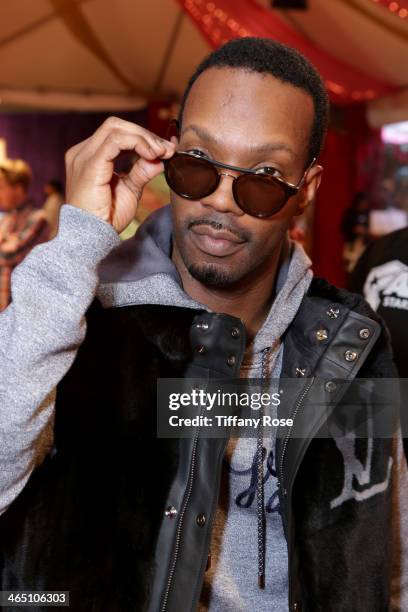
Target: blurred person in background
(55,199)
(21,225)
(381,275)
(401,190)
(387,215)
(355,230)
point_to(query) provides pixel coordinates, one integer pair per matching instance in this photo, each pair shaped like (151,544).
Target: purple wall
(42,139)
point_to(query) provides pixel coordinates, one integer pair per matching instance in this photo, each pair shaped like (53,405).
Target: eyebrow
(257,149)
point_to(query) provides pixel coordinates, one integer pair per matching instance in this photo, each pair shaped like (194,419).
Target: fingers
(141,173)
(118,141)
(90,165)
(112,127)
(98,163)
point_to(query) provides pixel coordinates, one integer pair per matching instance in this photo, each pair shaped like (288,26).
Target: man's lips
(218,243)
(206,230)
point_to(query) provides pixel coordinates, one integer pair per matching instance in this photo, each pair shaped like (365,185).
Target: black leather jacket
(122,519)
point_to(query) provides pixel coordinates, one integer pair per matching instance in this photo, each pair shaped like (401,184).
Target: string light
(394,7)
(220,27)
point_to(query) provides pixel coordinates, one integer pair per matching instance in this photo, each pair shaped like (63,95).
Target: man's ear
(309,189)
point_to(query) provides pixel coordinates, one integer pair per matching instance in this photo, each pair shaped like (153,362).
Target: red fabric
(367,150)
(342,178)
(334,197)
(394,7)
(160,112)
(223,20)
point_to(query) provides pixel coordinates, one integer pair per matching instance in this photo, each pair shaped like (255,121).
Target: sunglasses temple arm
(302,180)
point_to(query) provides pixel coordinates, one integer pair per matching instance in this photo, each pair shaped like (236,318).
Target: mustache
(218,225)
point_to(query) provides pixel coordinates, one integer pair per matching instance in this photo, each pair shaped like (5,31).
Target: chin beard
(212,276)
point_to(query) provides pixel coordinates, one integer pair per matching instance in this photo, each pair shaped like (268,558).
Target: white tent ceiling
(360,32)
(117,54)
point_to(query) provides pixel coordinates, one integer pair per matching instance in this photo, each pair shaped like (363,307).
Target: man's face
(249,120)
(10,195)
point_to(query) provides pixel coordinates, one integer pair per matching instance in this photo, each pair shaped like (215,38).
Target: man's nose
(222,198)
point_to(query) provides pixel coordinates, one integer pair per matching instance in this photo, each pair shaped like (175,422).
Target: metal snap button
(333,312)
(321,335)
(350,355)
(201,349)
(297,607)
(202,326)
(201,519)
(235,333)
(170,512)
(330,386)
(231,360)
(364,333)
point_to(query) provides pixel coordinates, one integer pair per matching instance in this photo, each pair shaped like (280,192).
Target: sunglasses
(259,193)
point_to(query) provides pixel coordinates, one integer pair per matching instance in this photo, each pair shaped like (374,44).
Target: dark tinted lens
(259,195)
(191,177)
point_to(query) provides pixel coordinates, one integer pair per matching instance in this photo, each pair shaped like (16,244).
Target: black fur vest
(89,518)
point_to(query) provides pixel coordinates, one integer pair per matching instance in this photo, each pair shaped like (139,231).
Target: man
(21,225)
(208,288)
(381,275)
(392,213)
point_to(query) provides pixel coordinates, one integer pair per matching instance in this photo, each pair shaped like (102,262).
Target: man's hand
(91,182)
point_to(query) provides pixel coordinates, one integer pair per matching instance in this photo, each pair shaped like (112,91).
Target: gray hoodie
(141,271)
(44,326)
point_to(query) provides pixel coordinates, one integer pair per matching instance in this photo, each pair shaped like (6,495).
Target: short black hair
(267,56)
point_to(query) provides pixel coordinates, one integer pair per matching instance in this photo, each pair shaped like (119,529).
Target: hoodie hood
(140,271)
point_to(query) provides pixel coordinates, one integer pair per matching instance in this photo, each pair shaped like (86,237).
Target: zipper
(285,444)
(182,513)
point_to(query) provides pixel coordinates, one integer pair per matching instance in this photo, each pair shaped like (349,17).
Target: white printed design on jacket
(356,469)
(387,286)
